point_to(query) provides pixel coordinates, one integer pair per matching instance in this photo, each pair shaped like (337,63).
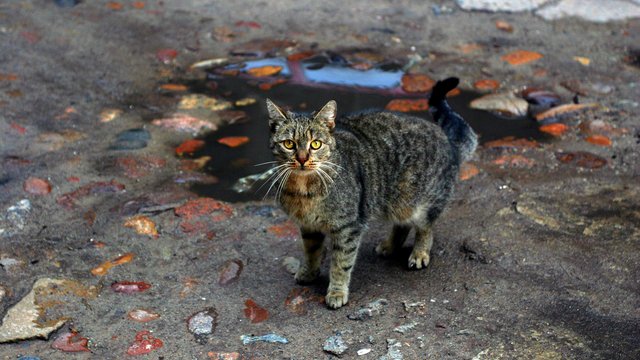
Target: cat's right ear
(275,114)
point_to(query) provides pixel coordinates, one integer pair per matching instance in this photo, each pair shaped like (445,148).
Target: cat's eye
(288,144)
(316,144)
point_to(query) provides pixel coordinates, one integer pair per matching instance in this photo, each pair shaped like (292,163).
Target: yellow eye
(316,144)
(288,144)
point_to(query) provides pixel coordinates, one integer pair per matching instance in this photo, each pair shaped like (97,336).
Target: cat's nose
(302,157)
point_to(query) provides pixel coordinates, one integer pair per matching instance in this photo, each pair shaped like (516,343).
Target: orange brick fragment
(556,129)
(520,57)
(268,70)
(487,84)
(408,105)
(417,83)
(599,140)
(234,141)
(173,87)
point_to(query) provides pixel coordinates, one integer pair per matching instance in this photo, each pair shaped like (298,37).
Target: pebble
(141,315)
(66,4)
(37,186)
(29,358)
(132,139)
(402,329)
(504,103)
(270,338)
(363,351)
(370,310)
(17,213)
(393,350)
(500,5)
(230,271)
(203,322)
(291,264)
(335,345)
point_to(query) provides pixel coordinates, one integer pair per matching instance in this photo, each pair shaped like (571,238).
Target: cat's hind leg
(313,243)
(395,240)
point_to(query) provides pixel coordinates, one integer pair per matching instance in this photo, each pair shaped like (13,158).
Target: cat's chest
(302,199)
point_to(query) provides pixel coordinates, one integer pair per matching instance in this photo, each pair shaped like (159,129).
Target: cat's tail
(461,136)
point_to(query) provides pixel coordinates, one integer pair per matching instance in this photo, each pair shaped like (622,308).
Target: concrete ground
(536,258)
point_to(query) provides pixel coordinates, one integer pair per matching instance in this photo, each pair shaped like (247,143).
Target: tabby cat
(335,175)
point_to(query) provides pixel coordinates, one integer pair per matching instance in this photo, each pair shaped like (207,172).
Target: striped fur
(376,165)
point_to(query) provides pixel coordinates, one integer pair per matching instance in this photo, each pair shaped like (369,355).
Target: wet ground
(119,149)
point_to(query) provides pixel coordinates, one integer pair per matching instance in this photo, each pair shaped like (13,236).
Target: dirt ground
(536,257)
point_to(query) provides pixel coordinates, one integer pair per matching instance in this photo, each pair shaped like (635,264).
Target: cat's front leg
(313,243)
(345,245)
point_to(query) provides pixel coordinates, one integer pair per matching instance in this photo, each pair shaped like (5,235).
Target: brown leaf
(234,141)
(555,129)
(581,159)
(520,57)
(417,83)
(467,171)
(563,110)
(263,71)
(599,140)
(487,84)
(504,26)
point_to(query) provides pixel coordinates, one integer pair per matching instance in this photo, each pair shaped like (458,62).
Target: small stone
(203,322)
(189,147)
(581,159)
(130,287)
(370,310)
(230,271)
(245,102)
(37,186)
(402,329)
(500,5)
(143,316)
(16,214)
(166,56)
(132,139)
(108,115)
(144,343)
(27,357)
(299,298)
(71,342)
(503,103)
(67,3)
(142,225)
(270,338)
(363,351)
(234,141)
(223,356)
(554,129)
(254,312)
(291,264)
(185,123)
(521,57)
(335,345)
(393,350)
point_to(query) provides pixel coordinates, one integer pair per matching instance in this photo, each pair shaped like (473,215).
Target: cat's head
(302,141)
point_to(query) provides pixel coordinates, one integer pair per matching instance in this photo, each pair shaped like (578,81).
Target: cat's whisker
(282,184)
(328,177)
(330,169)
(326,188)
(265,163)
(275,171)
(280,175)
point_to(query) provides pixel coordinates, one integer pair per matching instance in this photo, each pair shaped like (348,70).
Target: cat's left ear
(328,114)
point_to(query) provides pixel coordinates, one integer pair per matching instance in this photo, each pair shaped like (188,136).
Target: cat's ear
(275,112)
(328,114)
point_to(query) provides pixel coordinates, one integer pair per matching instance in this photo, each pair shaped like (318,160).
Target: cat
(335,175)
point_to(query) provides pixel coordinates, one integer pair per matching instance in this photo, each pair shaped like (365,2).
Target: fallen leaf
(142,316)
(563,110)
(230,271)
(142,225)
(555,129)
(223,355)
(581,159)
(504,103)
(130,287)
(407,105)
(189,147)
(144,343)
(599,140)
(197,101)
(487,84)
(504,26)
(37,186)
(582,60)
(174,87)
(8,77)
(599,127)
(113,5)
(254,312)
(234,141)
(417,83)
(138,4)
(103,268)
(71,342)
(467,171)
(263,71)
(520,57)
(69,199)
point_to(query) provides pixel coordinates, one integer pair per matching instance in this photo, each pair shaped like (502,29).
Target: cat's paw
(306,275)
(336,299)
(419,259)
(384,249)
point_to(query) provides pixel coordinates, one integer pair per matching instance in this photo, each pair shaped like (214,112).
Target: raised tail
(461,136)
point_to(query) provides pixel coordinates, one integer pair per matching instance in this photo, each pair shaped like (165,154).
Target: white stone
(591,10)
(501,5)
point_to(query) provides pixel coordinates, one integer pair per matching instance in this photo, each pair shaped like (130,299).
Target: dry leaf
(520,57)
(562,110)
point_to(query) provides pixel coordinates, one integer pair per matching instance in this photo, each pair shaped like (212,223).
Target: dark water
(354,90)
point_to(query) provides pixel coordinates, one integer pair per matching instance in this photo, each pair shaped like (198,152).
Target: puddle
(309,85)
